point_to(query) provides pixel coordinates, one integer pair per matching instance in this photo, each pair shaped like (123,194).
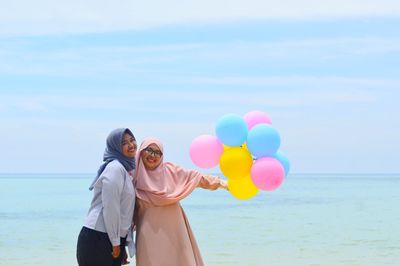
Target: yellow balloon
(235,162)
(244,146)
(242,188)
(226,147)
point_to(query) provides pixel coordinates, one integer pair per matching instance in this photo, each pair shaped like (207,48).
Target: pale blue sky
(328,76)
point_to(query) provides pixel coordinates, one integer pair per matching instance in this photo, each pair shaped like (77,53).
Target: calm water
(310,220)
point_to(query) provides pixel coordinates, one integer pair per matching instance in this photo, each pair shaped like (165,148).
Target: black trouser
(94,249)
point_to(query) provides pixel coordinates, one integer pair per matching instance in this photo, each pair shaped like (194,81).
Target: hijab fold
(167,184)
(113,151)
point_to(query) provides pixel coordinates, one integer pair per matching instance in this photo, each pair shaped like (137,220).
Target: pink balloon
(256,117)
(267,173)
(205,151)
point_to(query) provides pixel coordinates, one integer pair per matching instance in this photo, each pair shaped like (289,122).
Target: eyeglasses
(152,152)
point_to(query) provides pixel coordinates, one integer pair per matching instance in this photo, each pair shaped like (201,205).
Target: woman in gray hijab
(108,225)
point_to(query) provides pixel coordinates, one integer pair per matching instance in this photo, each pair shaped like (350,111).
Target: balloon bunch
(246,149)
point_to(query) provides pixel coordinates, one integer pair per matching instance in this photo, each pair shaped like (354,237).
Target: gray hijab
(113,151)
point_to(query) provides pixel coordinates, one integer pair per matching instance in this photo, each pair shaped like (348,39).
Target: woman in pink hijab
(163,233)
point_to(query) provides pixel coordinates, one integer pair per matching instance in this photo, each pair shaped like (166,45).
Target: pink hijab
(167,184)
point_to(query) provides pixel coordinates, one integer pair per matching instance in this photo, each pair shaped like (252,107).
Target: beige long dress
(163,234)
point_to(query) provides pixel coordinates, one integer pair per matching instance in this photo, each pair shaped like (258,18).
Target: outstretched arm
(212,182)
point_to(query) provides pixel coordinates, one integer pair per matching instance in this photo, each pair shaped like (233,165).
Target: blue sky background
(327,75)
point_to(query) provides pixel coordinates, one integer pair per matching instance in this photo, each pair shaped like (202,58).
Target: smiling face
(129,146)
(151,156)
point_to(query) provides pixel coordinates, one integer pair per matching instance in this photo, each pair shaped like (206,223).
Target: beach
(312,219)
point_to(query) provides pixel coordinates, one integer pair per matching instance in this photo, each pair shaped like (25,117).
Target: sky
(326,73)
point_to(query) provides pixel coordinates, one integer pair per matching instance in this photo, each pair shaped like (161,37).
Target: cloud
(73,16)
(327,82)
(330,121)
(167,60)
(300,92)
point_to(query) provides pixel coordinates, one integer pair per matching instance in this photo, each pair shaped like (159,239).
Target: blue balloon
(284,161)
(231,130)
(263,141)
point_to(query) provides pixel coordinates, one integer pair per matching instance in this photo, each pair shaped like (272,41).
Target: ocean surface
(319,219)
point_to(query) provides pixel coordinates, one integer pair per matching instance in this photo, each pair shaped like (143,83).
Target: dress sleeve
(210,182)
(113,182)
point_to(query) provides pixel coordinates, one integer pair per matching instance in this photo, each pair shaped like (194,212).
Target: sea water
(317,219)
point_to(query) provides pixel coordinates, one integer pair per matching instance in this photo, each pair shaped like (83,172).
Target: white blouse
(113,203)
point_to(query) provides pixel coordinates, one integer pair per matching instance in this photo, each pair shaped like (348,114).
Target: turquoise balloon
(263,141)
(284,161)
(231,130)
